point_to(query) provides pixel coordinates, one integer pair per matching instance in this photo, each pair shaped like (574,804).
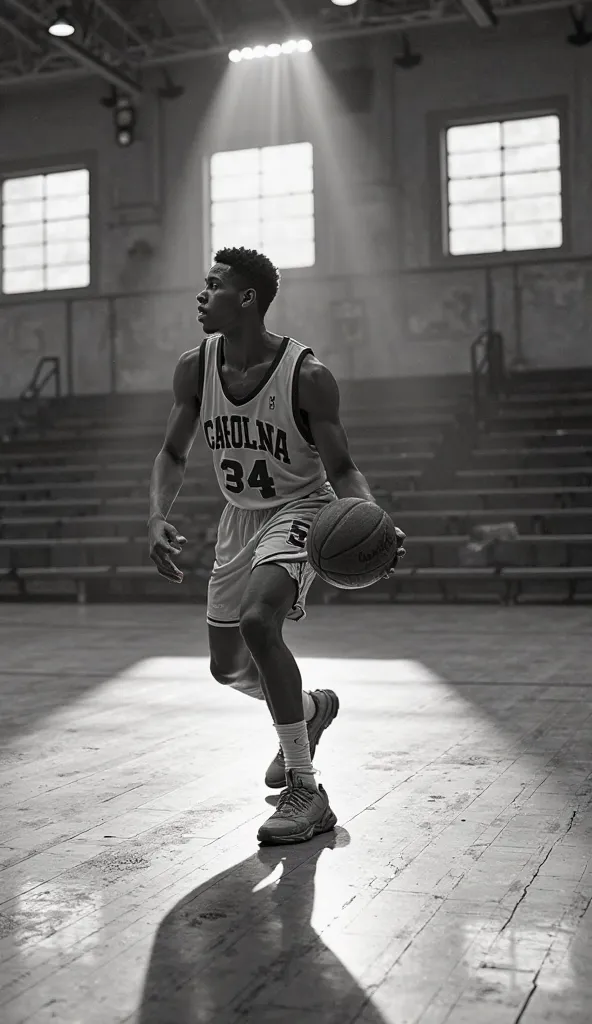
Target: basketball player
(270,414)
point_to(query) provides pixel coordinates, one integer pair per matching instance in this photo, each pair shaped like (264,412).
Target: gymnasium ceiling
(119,39)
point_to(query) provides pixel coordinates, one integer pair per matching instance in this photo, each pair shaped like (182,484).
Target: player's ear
(249,297)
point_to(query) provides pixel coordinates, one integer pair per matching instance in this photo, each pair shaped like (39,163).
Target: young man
(270,414)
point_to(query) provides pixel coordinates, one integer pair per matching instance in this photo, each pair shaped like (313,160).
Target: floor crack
(535,979)
(533,989)
(537,872)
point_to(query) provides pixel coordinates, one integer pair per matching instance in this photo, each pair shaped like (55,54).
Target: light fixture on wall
(407,59)
(580,36)
(124,116)
(62,26)
(273,50)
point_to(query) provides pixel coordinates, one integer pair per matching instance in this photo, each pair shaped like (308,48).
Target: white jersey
(263,452)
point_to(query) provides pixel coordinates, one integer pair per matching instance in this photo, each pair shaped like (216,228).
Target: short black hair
(256,270)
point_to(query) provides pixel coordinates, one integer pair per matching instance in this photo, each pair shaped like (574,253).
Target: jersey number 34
(258,477)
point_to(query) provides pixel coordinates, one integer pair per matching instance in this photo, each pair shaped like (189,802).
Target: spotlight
(272,50)
(62,26)
(344,3)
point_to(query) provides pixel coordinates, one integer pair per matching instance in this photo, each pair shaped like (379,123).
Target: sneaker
(301,813)
(327,705)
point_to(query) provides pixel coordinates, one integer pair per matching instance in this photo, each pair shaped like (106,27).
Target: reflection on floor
(456,887)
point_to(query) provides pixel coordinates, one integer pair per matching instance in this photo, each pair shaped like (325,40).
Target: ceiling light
(344,3)
(273,50)
(62,26)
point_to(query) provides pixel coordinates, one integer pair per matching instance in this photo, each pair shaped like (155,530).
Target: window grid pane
(45,231)
(263,199)
(504,186)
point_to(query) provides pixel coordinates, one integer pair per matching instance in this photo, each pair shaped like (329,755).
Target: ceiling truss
(119,41)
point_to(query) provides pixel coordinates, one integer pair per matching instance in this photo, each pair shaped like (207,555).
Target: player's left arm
(319,399)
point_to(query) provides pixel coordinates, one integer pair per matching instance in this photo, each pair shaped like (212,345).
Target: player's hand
(164,541)
(400,554)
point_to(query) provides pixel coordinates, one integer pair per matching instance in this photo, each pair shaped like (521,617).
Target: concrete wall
(381,301)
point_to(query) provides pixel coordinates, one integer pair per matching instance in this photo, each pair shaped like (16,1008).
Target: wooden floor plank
(456,888)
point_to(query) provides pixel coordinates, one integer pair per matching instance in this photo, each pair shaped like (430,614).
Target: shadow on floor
(241,948)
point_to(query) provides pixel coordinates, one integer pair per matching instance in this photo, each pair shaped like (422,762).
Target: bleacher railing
(488,373)
(32,401)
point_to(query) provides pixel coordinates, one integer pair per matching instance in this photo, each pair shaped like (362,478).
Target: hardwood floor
(456,887)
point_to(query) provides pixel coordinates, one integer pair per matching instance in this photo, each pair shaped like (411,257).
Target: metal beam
(285,12)
(480,12)
(22,36)
(116,17)
(88,60)
(82,56)
(361,12)
(210,20)
(165,53)
(419,20)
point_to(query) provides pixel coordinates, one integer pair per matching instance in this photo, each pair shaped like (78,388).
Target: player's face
(219,303)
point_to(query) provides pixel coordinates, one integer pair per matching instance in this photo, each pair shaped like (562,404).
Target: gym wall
(383,299)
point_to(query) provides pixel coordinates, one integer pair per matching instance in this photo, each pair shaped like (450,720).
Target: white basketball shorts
(251,537)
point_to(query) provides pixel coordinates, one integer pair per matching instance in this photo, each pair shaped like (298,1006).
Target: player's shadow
(241,948)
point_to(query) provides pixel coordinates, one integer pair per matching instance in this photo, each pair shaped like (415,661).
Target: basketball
(351,543)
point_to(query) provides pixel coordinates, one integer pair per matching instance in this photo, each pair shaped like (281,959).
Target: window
(263,199)
(45,232)
(504,186)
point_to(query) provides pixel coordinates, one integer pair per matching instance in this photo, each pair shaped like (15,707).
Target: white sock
(310,708)
(294,740)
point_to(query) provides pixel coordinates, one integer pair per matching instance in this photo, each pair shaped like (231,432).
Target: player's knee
(244,681)
(257,626)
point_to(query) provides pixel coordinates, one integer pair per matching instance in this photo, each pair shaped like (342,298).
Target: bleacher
(530,464)
(74,493)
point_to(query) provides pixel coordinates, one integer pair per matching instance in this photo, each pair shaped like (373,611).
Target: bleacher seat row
(74,496)
(507,582)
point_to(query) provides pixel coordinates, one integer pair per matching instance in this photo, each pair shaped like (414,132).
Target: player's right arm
(169,466)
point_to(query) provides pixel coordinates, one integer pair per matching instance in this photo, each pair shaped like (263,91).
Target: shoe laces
(295,798)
